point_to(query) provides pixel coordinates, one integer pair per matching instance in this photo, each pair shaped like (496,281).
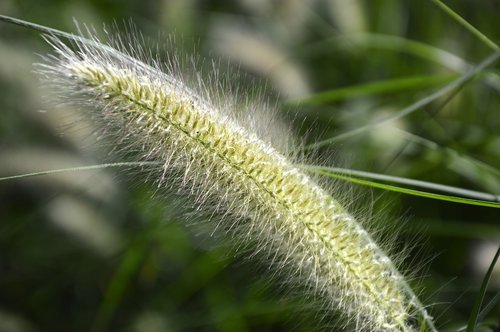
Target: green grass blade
(39,28)
(487,308)
(452,152)
(471,326)
(375,88)
(466,25)
(403,45)
(392,43)
(326,172)
(413,107)
(415,183)
(79,39)
(82,168)
(117,287)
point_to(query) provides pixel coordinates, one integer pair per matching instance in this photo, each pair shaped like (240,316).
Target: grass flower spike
(222,164)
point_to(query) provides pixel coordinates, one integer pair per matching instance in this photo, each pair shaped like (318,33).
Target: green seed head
(258,191)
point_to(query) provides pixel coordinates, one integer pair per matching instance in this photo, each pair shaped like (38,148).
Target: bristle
(257,192)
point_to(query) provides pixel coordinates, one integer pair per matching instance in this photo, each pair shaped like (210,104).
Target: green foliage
(89,250)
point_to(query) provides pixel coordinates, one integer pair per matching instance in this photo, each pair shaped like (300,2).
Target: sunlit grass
(167,276)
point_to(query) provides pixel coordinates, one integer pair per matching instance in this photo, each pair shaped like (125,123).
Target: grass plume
(222,164)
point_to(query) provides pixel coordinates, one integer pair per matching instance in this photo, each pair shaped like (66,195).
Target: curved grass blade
(81,168)
(403,45)
(471,326)
(327,172)
(375,88)
(415,183)
(115,291)
(87,41)
(452,152)
(487,308)
(450,12)
(393,43)
(54,32)
(413,107)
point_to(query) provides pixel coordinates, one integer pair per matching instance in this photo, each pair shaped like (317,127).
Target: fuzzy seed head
(258,191)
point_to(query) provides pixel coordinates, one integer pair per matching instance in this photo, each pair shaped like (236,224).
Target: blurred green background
(98,251)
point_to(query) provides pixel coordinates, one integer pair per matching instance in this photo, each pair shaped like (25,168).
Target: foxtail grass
(256,192)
